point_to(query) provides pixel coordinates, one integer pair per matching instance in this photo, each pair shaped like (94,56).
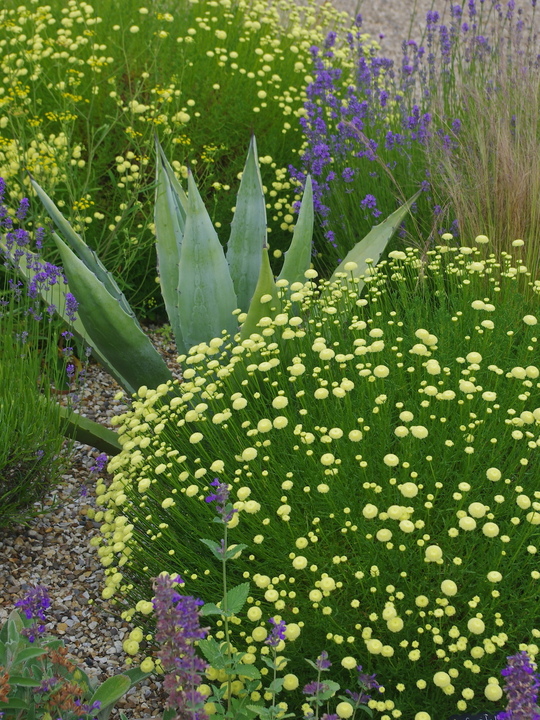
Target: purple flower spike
(101,462)
(322,662)
(221,497)
(177,630)
(521,689)
(34,605)
(277,634)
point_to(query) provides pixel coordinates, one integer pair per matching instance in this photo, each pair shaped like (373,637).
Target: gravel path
(54,551)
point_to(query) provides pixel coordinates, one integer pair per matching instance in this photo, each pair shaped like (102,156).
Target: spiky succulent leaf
(248,230)
(170,219)
(298,256)
(374,244)
(87,431)
(264,298)
(81,249)
(206,292)
(130,356)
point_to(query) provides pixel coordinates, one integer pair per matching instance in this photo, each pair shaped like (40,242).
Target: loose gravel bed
(54,551)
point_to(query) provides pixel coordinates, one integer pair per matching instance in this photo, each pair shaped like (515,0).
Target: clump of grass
(33,452)
(382,448)
(494,170)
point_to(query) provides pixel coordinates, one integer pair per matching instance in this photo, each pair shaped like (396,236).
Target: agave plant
(206,291)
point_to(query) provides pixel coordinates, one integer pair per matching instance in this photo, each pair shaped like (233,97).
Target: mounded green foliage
(382,453)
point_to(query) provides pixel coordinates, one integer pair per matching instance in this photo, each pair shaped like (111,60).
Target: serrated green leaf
(276,685)
(232,552)
(236,597)
(215,548)
(249,671)
(170,220)
(374,244)
(81,249)
(211,609)
(212,652)
(257,310)
(248,230)
(130,356)
(206,292)
(298,256)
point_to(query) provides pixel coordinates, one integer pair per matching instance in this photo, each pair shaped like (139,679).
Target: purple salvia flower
(314,688)
(322,662)
(221,497)
(521,689)
(177,630)
(277,633)
(34,605)
(101,462)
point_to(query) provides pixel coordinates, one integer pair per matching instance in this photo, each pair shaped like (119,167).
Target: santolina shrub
(383,454)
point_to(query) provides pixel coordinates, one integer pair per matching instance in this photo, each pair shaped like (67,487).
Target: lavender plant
(38,681)
(398,129)
(32,449)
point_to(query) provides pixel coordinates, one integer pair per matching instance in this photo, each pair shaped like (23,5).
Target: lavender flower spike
(177,631)
(521,689)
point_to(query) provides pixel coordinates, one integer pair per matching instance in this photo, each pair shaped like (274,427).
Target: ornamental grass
(378,438)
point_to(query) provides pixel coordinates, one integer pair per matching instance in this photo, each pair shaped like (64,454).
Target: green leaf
(214,547)
(266,287)
(170,220)
(15,625)
(169,714)
(29,653)
(110,691)
(81,249)
(212,609)
(23,681)
(213,652)
(298,257)
(13,704)
(130,356)
(135,675)
(90,432)
(374,244)
(232,552)
(248,230)
(249,671)
(236,597)
(276,686)
(206,292)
